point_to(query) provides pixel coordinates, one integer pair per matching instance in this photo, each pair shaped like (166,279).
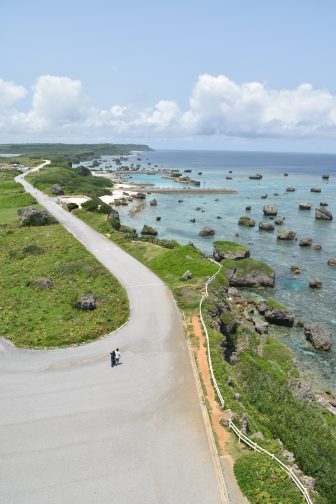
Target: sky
(220,74)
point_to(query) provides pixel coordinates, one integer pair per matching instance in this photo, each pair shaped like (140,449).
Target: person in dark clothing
(113,358)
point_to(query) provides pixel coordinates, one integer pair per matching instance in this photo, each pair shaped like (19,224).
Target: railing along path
(239,433)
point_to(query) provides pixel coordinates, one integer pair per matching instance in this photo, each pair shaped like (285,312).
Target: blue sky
(132,71)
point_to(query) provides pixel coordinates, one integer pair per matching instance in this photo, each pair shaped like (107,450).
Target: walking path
(73,430)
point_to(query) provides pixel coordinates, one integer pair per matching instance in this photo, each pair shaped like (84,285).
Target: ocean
(304,172)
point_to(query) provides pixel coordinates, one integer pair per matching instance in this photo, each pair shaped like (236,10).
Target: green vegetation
(35,312)
(12,196)
(71,152)
(276,305)
(97,205)
(263,482)
(229,246)
(247,266)
(70,181)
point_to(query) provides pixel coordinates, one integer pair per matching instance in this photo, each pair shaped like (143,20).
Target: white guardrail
(240,434)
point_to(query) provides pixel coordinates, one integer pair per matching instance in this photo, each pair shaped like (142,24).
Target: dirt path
(225,441)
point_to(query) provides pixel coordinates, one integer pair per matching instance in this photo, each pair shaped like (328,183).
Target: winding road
(74,430)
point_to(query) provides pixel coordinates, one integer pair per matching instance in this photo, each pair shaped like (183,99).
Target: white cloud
(57,102)
(10,93)
(218,107)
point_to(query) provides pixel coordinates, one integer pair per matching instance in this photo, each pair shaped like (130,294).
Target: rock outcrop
(319,335)
(270,210)
(207,231)
(307,241)
(87,302)
(315,190)
(153,202)
(148,230)
(323,214)
(286,234)
(246,221)
(114,219)
(251,273)
(303,205)
(30,216)
(331,262)
(43,283)
(187,275)
(229,250)
(279,317)
(266,226)
(57,189)
(315,283)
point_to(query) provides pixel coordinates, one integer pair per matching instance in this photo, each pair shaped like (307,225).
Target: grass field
(35,317)
(70,181)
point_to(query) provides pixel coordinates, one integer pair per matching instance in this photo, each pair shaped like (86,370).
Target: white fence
(241,435)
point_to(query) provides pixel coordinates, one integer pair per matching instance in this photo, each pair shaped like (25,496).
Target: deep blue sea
(304,172)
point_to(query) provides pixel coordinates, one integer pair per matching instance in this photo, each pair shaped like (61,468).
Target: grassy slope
(70,181)
(229,246)
(33,317)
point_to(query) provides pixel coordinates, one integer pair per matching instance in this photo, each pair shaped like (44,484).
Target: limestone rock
(246,221)
(30,216)
(331,262)
(286,235)
(303,205)
(290,189)
(270,210)
(315,189)
(43,283)
(229,250)
(279,221)
(266,226)
(307,241)
(87,302)
(187,275)
(319,335)
(233,291)
(295,269)
(323,214)
(148,230)
(207,231)
(139,195)
(57,189)
(315,283)
(279,317)
(114,219)
(153,202)
(323,203)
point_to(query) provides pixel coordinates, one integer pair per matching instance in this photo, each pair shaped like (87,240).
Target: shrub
(97,205)
(263,482)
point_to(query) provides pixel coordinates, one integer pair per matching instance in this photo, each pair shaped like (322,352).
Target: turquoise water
(304,171)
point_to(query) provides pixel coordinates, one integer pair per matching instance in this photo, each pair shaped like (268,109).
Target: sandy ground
(224,439)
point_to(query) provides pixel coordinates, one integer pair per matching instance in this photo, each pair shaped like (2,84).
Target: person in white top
(117,357)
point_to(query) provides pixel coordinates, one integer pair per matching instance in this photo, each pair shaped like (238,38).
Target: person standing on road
(117,356)
(113,358)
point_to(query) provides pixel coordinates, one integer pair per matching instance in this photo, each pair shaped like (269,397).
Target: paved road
(73,430)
